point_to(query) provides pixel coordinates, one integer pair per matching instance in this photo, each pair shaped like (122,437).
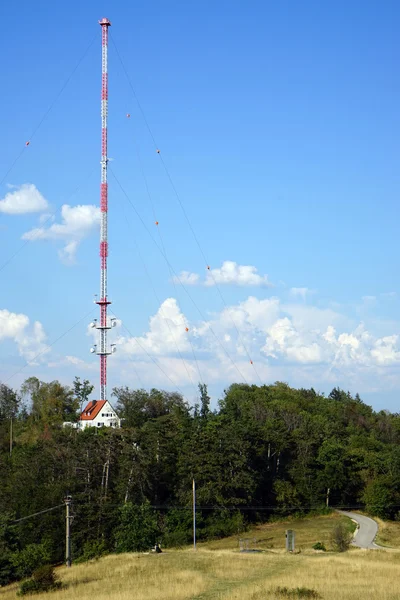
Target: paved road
(366,532)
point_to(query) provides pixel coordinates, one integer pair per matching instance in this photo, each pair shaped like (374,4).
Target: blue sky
(278,124)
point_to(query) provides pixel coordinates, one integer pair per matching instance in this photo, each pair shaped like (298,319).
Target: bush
(93,549)
(223,523)
(319,546)
(43,580)
(177,528)
(380,498)
(341,538)
(138,528)
(29,559)
(297,592)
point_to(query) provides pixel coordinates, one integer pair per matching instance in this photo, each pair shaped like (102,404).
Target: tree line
(264,451)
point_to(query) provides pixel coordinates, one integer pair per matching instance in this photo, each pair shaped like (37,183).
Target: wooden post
(68,500)
(194,515)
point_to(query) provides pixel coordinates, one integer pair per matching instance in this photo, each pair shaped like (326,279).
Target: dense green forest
(265,451)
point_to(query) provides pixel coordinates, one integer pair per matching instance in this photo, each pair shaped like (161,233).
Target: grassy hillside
(271,536)
(388,534)
(218,570)
(227,575)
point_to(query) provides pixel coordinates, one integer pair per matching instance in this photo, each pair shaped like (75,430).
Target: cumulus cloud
(233,274)
(167,333)
(77,223)
(283,339)
(345,350)
(186,278)
(230,273)
(30,340)
(22,200)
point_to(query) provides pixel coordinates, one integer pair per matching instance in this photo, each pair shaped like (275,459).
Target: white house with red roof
(99,413)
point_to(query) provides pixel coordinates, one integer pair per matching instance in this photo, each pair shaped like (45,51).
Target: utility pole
(68,501)
(194,515)
(11,435)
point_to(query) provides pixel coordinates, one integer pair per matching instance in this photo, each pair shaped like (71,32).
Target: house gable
(99,413)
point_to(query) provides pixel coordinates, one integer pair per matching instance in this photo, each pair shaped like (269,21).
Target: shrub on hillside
(93,549)
(29,559)
(341,538)
(300,592)
(319,546)
(223,523)
(177,528)
(138,528)
(381,498)
(43,580)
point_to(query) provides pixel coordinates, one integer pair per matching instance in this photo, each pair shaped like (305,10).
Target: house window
(100,424)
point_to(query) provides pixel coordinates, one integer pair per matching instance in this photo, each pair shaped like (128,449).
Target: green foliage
(30,558)
(52,403)
(8,544)
(300,592)
(43,580)
(9,403)
(223,523)
(178,527)
(380,497)
(341,538)
(82,391)
(263,446)
(93,549)
(319,546)
(138,528)
(204,401)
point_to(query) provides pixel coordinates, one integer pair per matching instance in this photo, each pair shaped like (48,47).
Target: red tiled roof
(92,410)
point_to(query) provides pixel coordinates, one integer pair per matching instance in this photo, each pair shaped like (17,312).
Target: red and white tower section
(102,349)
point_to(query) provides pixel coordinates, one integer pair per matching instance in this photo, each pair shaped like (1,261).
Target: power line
(159,301)
(49,218)
(181,205)
(50,345)
(47,112)
(176,275)
(163,245)
(151,357)
(41,512)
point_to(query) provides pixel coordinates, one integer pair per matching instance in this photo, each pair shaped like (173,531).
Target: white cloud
(312,317)
(46,217)
(77,223)
(233,274)
(30,340)
(301,292)
(252,314)
(230,273)
(22,200)
(346,351)
(283,339)
(186,278)
(386,350)
(73,361)
(167,333)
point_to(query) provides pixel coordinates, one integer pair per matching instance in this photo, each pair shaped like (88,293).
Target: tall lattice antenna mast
(103,301)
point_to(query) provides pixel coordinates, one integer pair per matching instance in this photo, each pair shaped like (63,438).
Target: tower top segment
(105,21)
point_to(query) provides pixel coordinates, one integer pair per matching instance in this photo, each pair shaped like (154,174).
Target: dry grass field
(271,536)
(226,574)
(388,534)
